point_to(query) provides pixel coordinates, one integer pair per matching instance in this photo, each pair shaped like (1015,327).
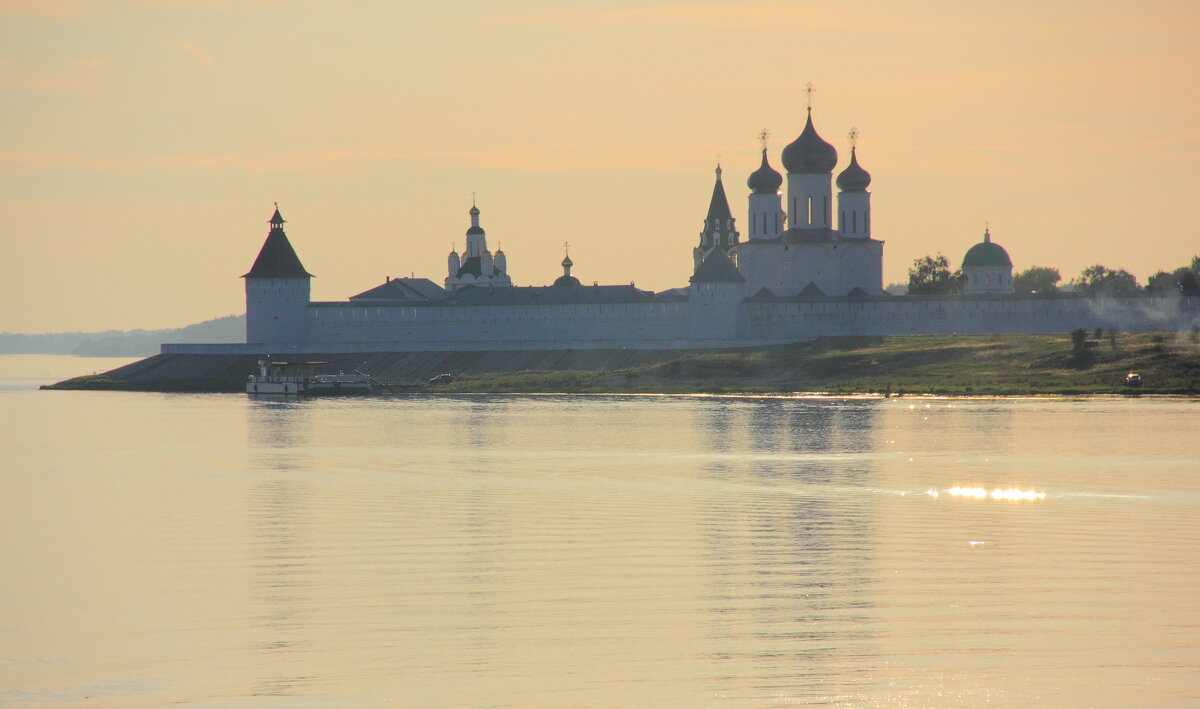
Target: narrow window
(855,228)
(810,211)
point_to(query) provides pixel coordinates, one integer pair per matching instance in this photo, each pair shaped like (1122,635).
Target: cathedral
(797,250)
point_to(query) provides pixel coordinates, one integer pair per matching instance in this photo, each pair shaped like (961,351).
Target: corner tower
(277,291)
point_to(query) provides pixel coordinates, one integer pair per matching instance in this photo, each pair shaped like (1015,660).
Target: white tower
(277,291)
(809,162)
(854,201)
(766,216)
(476,237)
(501,263)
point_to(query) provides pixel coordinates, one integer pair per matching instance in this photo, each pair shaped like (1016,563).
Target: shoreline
(885,366)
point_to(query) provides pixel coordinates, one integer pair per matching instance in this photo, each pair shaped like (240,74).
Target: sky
(143,143)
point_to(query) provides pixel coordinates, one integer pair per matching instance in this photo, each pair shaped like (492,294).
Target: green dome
(986,253)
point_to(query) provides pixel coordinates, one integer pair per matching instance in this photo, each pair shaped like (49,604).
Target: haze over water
(558,551)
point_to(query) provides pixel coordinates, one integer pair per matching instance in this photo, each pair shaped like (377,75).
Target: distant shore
(995,365)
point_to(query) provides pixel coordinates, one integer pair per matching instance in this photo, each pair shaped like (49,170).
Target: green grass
(950,365)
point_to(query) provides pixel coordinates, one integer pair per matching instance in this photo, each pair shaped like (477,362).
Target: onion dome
(475,228)
(566,279)
(809,154)
(854,178)
(986,253)
(764,180)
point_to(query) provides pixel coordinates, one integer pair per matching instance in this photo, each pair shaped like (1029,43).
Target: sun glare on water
(980,493)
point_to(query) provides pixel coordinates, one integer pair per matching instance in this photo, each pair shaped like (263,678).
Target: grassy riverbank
(953,365)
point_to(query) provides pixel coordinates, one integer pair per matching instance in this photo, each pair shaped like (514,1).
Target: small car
(441,379)
(1133,379)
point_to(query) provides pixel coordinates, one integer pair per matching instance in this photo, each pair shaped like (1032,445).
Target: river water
(594,551)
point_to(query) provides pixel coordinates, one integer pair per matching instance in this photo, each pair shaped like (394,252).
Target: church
(809,267)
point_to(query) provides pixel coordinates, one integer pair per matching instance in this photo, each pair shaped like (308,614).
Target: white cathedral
(797,250)
(796,276)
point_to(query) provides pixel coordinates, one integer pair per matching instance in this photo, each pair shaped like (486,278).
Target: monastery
(796,276)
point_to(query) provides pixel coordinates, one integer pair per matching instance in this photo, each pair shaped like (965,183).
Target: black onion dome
(809,154)
(566,281)
(854,178)
(475,230)
(764,180)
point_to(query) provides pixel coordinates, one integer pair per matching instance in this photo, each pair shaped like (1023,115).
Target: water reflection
(789,564)
(281,564)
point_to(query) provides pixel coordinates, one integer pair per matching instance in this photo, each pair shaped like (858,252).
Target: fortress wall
(975,315)
(589,325)
(356,327)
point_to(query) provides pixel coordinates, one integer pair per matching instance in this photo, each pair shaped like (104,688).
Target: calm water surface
(554,551)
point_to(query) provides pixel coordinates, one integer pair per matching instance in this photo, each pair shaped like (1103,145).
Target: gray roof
(812,290)
(547,295)
(717,268)
(472,265)
(404,289)
(810,236)
(718,206)
(277,258)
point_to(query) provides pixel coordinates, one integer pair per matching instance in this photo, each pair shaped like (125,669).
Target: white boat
(306,379)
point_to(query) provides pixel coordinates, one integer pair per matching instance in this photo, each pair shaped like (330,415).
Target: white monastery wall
(709,321)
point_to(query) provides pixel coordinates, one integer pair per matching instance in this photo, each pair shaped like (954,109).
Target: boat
(275,378)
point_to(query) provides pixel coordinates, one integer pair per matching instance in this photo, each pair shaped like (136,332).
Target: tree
(1037,279)
(1079,342)
(1100,279)
(932,276)
(1184,278)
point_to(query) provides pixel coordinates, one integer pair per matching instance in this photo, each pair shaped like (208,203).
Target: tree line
(931,275)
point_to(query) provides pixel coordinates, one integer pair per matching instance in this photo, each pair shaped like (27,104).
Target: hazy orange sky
(143,142)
